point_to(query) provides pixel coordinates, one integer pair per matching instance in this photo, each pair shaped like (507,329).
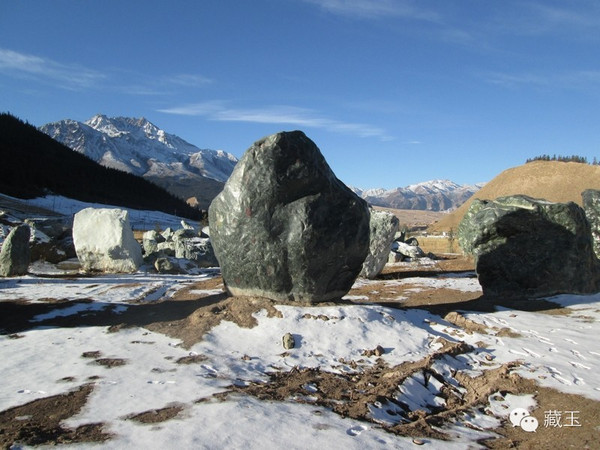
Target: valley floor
(415,357)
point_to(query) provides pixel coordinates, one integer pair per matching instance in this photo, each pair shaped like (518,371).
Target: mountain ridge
(34,165)
(432,195)
(137,146)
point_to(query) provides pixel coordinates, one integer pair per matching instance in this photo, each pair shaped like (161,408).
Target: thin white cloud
(277,114)
(581,79)
(580,19)
(188,80)
(557,18)
(374,9)
(76,77)
(66,76)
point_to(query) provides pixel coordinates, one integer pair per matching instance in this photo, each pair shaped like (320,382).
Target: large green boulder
(284,227)
(530,247)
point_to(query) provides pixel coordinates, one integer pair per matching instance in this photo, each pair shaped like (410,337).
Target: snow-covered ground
(139,219)
(557,351)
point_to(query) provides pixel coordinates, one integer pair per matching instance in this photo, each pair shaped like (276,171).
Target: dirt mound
(551,180)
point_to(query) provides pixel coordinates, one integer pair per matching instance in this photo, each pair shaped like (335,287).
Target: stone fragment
(15,255)
(150,241)
(168,265)
(383,227)
(284,227)
(407,250)
(196,249)
(288,341)
(591,206)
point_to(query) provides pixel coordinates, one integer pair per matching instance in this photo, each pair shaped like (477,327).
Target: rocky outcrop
(383,227)
(591,206)
(529,247)
(15,254)
(104,241)
(51,239)
(185,243)
(285,227)
(196,249)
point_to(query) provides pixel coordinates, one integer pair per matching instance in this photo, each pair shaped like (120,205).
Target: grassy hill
(33,164)
(551,180)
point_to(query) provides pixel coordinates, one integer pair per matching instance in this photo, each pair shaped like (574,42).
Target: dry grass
(414,217)
(550,180)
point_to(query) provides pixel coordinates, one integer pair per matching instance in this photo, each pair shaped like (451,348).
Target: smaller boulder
(15,255)
(383,227)
(167,234)
(407,250)
(196,249)
(591,206)
(167,265)
(150,241)
(104,241)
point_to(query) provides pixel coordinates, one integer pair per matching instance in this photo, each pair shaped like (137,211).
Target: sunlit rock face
(104,241)
(284,227)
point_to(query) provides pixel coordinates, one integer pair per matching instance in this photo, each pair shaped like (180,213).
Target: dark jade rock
(15,255)
(591,206)
(284,227)
(529,247)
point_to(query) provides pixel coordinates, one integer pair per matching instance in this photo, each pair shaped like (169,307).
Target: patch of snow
(139,219)
(556,351)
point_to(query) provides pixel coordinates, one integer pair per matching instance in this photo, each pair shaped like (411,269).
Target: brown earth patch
(157,415)
(353,395)
(191,359)
(38,422)
(110,362)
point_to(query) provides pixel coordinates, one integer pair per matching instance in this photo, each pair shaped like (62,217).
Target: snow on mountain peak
(433,195)
(137,146)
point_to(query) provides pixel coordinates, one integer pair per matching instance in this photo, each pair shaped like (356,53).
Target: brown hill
(551,180)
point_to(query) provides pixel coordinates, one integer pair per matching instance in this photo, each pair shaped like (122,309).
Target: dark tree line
(561,158)
(32,164)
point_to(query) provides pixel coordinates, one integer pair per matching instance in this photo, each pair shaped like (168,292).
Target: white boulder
(409,251)
(104,241)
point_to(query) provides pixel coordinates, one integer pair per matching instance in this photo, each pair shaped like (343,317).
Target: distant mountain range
(434,195)
(139,147)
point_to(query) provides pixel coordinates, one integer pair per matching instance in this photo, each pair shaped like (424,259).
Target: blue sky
(393,92)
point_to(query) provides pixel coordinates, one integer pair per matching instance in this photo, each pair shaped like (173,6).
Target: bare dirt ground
(188,317)
(414,217)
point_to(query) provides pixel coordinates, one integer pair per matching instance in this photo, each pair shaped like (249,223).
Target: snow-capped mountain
(139,147)
(434,195)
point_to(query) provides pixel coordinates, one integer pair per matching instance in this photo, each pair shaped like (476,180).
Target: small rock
(15,254)
(288,341)
(377,351)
